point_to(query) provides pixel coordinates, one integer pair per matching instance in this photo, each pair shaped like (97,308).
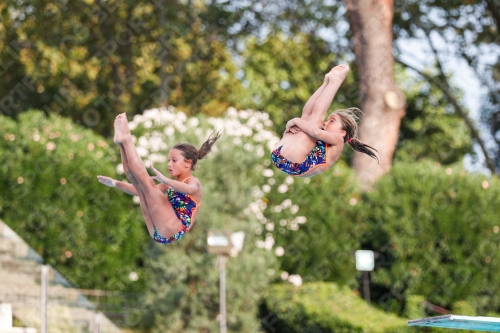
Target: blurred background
(426,75)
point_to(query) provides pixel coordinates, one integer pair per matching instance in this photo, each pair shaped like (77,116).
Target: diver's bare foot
(121,128)
(337,73)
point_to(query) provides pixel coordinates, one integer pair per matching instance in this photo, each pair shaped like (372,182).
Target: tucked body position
(311,145)
(170,207)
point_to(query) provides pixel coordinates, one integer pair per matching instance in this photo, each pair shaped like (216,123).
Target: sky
(416,52)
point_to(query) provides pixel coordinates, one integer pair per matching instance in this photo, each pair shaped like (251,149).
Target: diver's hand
(158,176)
(107,181)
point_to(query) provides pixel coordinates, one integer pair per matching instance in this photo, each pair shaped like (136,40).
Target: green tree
(431,129)
(282,73)
(436,231)
(51,198)
(313,220)
(470,33)
(90,60)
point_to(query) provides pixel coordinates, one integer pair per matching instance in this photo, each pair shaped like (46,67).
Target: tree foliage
(430,129)
(90,60)
(433,227)
(324,307)
(51,198)
(298,67)
(463,32)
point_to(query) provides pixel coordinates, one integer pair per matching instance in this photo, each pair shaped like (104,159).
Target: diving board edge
(491,324)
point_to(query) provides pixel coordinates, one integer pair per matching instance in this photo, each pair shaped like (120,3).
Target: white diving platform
(489,324)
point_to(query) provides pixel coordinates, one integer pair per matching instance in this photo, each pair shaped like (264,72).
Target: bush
(437,232)
(323,307)
(51,198)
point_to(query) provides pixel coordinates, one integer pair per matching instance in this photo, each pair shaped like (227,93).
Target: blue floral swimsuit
(317,157)
(184,207)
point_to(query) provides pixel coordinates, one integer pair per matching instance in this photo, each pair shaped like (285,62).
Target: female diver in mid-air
(311,145)
(168,217)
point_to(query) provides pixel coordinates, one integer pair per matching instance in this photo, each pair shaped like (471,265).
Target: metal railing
(41,297)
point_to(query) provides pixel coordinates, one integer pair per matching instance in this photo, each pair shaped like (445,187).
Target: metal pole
(222,292)
(43,299)
(366,286)
(97,322)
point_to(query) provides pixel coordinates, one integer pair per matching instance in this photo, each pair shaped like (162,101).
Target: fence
(42,298)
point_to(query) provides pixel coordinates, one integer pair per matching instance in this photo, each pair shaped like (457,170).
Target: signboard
(365,260)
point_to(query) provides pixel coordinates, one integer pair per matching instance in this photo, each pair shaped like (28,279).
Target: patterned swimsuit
(317,157)
(184,207)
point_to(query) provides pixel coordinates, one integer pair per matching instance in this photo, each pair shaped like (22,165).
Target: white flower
(193,122)
(295,279)
(279,251)
(267,172)
(260,151)
(232,113)
(142,152)
(283,188)
(254,207)
(269,242)
(119,169)
(244,114)
(301,219)
(157,158)
(138,118)
(257,193)
(51,146)
(143,142)
(248,147)
(150,114)
(169,131)
(156,143)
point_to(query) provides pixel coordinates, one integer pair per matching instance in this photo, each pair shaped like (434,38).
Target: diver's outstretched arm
(125,187)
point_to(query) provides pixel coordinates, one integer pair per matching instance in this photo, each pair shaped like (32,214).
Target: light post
(44,281)
(224,244)
(365,262)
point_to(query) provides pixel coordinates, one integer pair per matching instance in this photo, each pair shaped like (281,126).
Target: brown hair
(189,152)
(348,119)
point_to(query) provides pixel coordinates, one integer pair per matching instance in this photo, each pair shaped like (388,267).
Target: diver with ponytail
(311,145)
(170,207)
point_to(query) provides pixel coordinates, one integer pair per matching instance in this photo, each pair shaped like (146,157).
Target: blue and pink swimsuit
(184,207)
(317,157)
